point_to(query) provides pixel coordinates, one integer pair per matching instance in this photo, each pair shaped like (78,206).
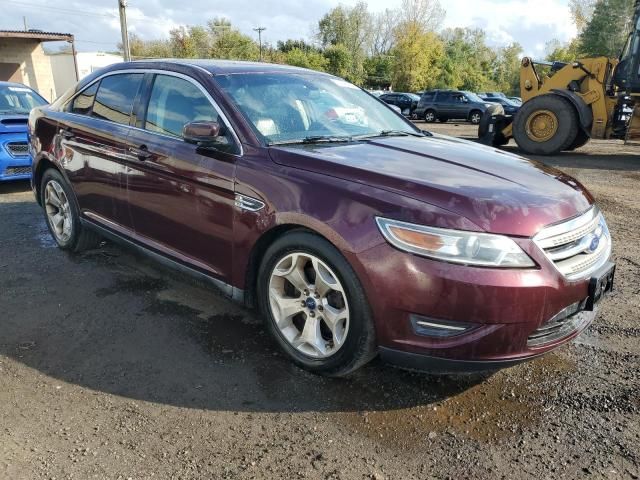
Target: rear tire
(430,116)
(545,125)
(62,216)
(332,333)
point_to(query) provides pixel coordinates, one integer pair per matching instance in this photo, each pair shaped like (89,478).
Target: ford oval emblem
(593,246)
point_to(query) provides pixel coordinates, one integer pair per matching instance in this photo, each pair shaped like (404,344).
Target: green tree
(606,32)
(416,58)
(350,28)
(506,74)
(563,52)
(338,60)
(306,59)
(230,43)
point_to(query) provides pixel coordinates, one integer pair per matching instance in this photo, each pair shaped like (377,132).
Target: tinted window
(84,101)
(174,102)
(445,97)
(115,97)
(428,97)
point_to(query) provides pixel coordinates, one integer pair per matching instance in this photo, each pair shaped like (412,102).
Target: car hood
(498,191)
(13,123)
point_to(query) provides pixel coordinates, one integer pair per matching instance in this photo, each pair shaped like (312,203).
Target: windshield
(473,97)
(304,108)
(18,100)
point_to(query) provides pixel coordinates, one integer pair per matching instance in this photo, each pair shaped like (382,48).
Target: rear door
(91,137)
(181,196)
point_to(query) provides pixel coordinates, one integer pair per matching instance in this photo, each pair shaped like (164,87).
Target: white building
(64,74)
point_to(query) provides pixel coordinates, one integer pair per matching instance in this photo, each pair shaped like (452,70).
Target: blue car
(16,101)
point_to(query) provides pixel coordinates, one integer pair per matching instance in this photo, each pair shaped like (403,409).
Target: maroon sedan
(353,232)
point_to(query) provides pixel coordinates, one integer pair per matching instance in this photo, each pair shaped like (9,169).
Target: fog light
(439,328)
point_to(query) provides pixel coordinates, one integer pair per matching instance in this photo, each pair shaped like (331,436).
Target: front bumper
(504,310)
(14,163)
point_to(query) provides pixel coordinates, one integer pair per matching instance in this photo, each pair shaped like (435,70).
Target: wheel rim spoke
(287,307)
(325,281)
(333,318)
(311,337)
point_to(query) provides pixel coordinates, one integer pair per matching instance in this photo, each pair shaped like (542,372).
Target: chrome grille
(18,149)
(577,247)
(565,323)
(17,171)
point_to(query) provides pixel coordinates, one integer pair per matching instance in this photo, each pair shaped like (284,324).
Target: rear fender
(585,114)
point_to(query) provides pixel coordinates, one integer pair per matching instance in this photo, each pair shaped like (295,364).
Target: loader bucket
(491,130)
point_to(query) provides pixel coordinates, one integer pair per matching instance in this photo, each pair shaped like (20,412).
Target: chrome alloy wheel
(58,210)
(309,305)
(475,118)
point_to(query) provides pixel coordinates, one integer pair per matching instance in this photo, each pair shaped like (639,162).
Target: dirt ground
(111,367)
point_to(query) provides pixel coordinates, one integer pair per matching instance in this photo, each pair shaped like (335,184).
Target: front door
(181,196)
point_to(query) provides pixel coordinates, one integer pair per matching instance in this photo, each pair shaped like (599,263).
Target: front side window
(19,100)
(115,97)
(174,102)
(303,107)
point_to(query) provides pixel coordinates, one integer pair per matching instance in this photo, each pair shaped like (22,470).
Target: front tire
(475,117)
(62,216)
(545,125)
(314,305)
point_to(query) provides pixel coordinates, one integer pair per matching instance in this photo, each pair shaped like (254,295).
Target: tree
(563,52)
(606,33)
(350,28)
(468,63)
(230,43)
(506,75)
(581,11)
(338,60)
(416,58)
(306,59)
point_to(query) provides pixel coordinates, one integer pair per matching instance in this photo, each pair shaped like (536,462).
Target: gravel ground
(111,367)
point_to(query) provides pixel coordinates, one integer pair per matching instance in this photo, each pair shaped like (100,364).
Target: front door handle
(67,134)
(141,152)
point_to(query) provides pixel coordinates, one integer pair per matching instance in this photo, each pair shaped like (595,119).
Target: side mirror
(201,133)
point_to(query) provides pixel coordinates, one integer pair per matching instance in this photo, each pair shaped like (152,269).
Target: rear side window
(428,97)
(114,101)
(174,102)
(82,103)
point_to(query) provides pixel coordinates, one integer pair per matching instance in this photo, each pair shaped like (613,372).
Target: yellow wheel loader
(572,103)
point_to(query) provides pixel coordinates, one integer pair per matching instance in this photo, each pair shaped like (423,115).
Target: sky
(96,26)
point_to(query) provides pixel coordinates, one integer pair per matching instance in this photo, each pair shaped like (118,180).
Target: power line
(67,11)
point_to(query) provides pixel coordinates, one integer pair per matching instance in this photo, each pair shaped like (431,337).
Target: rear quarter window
(83,102)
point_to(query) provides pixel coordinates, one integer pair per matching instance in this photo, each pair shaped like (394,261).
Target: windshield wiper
(392,133)
(315,139)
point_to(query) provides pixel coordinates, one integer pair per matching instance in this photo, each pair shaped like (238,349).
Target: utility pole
(24,19)
(260,30)
(122,7)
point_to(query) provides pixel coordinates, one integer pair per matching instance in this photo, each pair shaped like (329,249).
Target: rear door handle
(142,152)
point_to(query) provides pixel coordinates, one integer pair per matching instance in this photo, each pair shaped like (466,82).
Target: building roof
(37,35)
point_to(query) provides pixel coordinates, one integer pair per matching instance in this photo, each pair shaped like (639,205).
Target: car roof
(225,67)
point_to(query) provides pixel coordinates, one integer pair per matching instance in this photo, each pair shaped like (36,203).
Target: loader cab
(627,74)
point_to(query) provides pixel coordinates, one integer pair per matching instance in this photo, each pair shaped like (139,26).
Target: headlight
(468,248)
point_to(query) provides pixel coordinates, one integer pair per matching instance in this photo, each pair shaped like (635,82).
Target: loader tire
(580,140)
(545,125)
